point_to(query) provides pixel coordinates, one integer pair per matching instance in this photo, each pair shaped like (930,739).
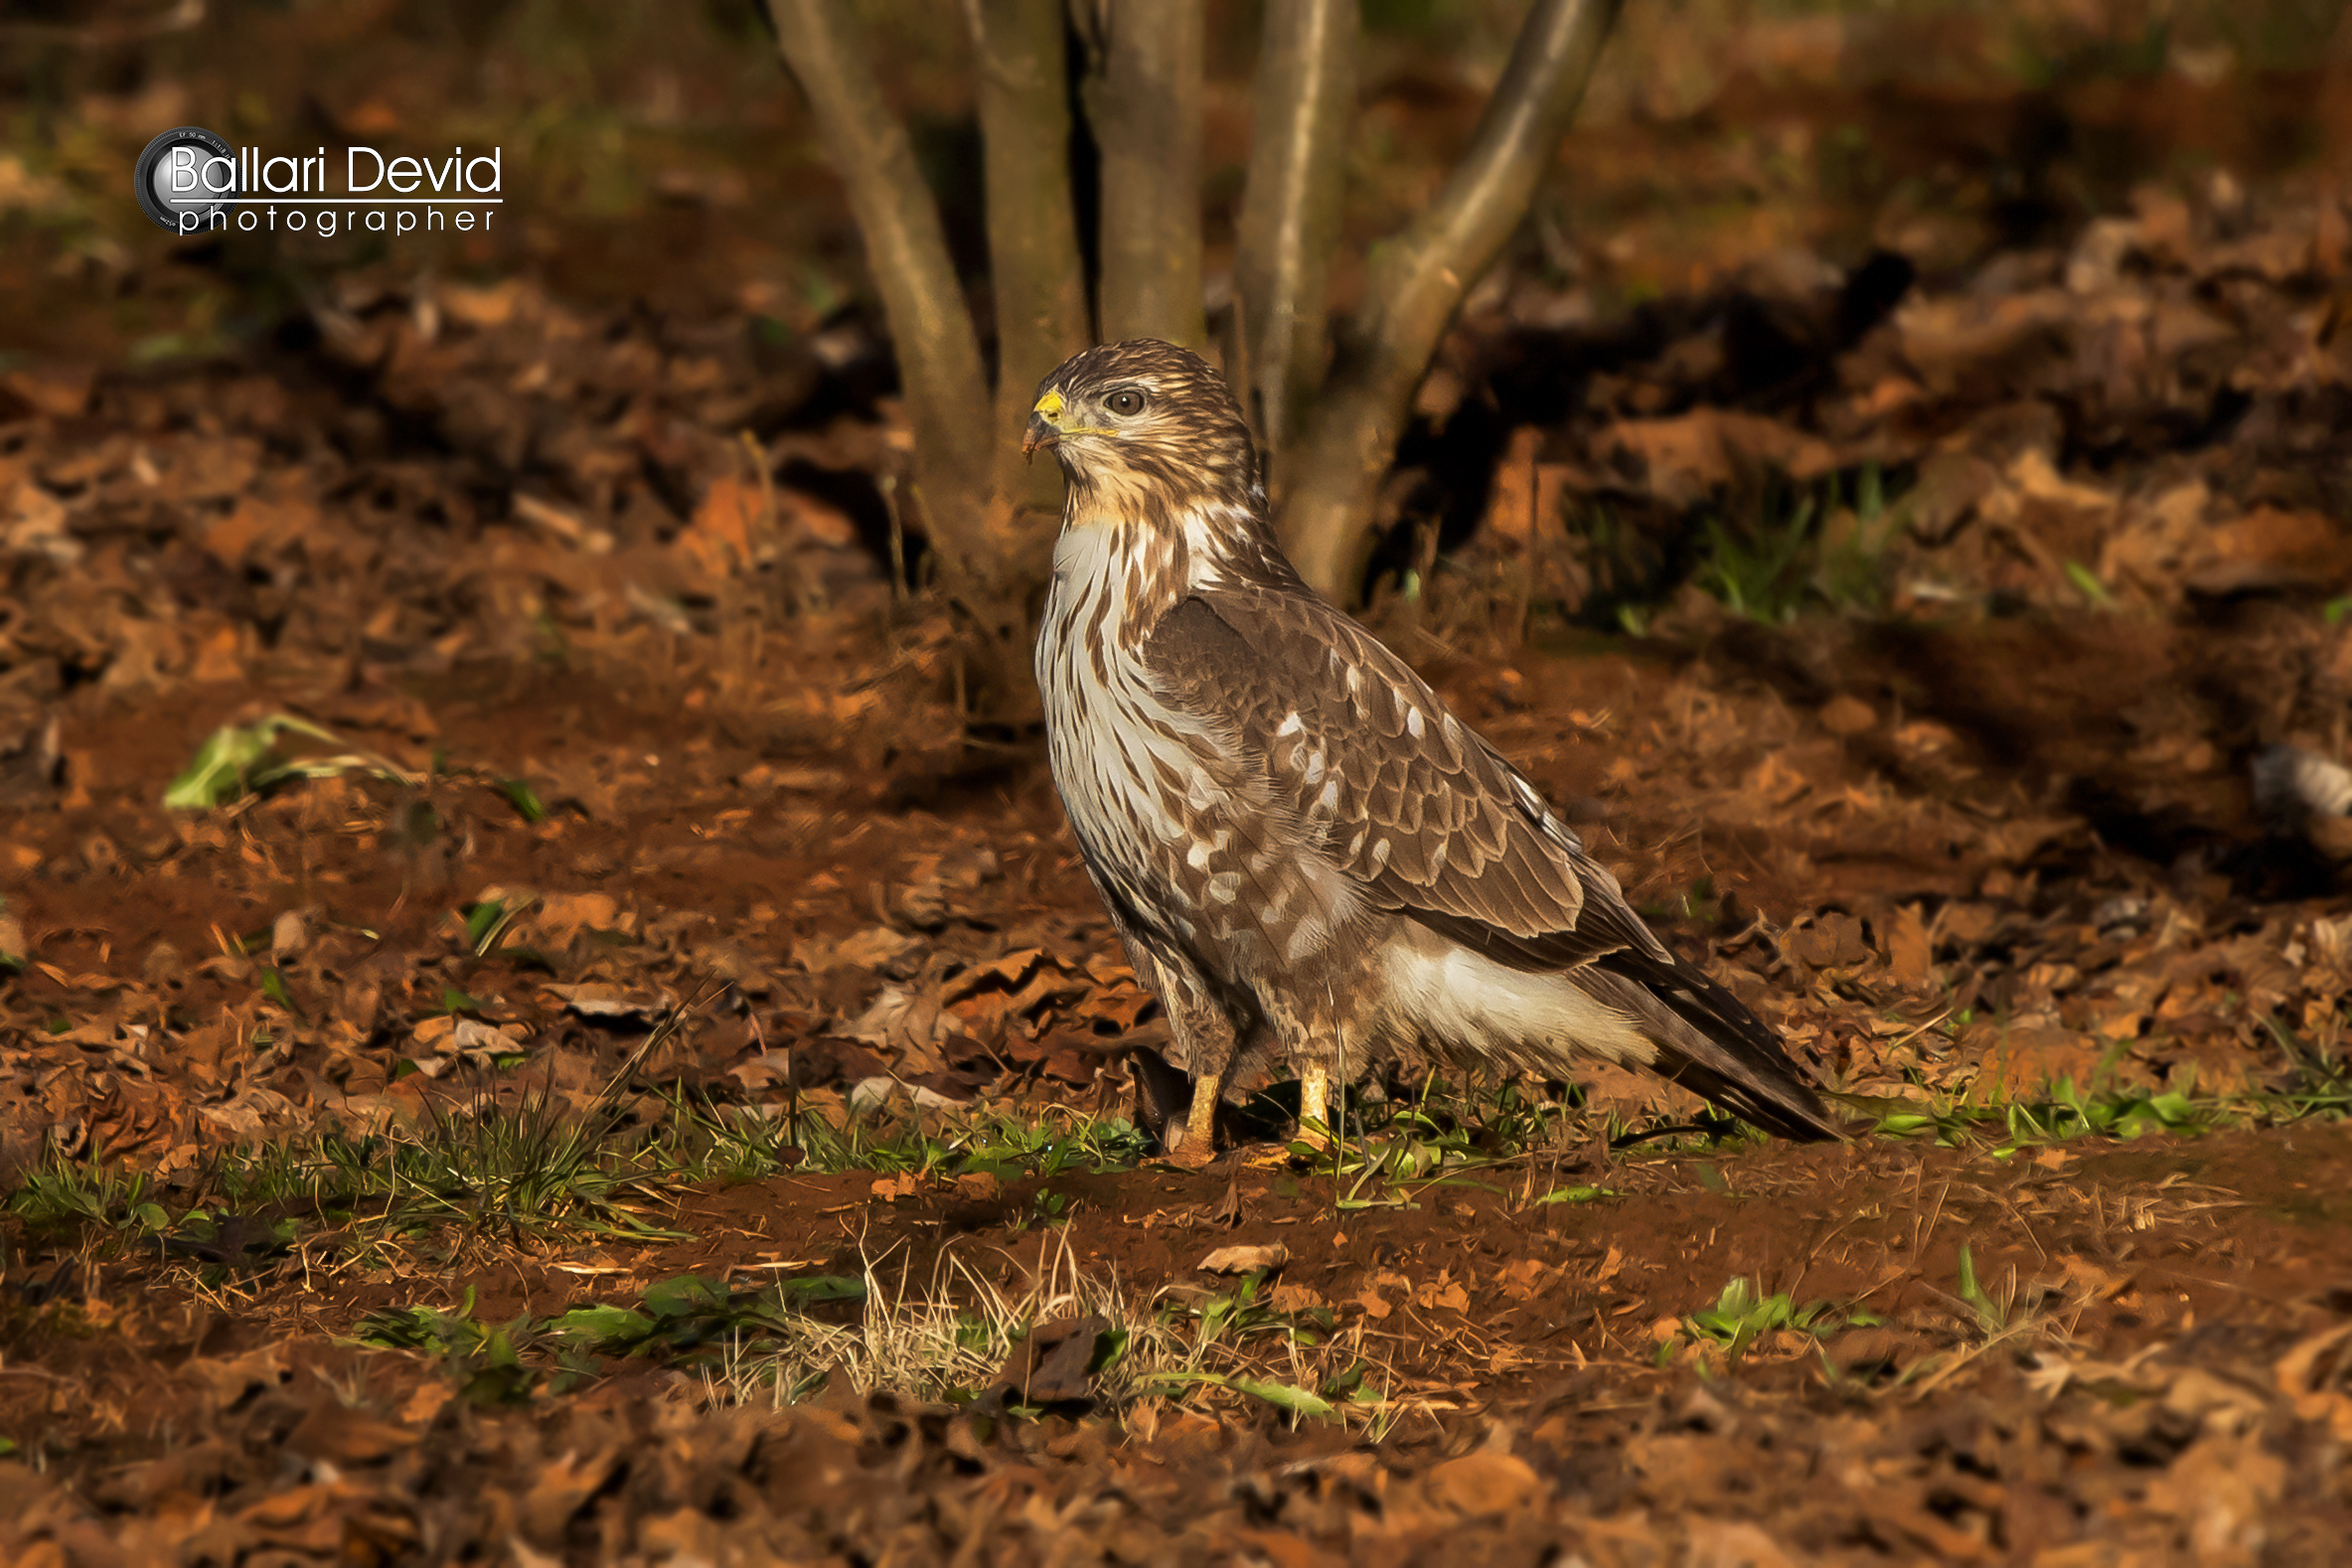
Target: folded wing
(1433,823)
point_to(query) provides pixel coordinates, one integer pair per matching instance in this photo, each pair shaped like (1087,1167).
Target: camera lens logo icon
(184,177)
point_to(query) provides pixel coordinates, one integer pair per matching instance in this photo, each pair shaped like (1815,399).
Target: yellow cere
(1049,406)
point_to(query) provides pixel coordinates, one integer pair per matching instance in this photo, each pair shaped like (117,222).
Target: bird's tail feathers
(1713,1046)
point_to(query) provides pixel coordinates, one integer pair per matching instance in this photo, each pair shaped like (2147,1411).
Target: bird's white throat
(1149,566)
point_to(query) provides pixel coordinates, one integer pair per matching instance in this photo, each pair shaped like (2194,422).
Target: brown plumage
(1305,852)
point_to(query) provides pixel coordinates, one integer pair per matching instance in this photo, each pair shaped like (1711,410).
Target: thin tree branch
(1419,279)
(906,251)
(1038,278)
(1146,112)
(1290,209)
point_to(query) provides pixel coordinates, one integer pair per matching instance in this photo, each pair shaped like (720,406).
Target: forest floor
(608,1052)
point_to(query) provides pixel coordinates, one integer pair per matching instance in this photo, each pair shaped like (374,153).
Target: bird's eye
(1126,400)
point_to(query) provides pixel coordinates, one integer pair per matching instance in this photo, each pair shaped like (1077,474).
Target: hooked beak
(1044,427)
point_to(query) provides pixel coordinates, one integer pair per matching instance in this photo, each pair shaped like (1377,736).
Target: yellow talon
(1199,1143)
(1315,1106)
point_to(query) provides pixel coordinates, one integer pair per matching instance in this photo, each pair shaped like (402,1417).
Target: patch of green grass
(539,1168)
(241,759)
(1992,1317)
(485,1358)
(238,760)
(524,799)
(1743,1314)
(532,1169)
(783,1341)
(2086,583)
(64,1194)
(1045,1209)
(2318,1088)
(535,1167)
(1437,1136)
(527,1170)
(987,1142)
(1770,550)
(689,1320)
(1282,1396)
(1800,547)
(1577,1194)
(1238,1313)
(1447,1135)
(1698,902)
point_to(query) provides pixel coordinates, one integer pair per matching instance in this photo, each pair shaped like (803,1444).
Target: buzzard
(1306,856)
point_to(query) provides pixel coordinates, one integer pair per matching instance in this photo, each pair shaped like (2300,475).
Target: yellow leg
(1199,1143)
(1315,1104)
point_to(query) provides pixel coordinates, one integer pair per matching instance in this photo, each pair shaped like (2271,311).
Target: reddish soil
(2182,1313)
(2175,1315)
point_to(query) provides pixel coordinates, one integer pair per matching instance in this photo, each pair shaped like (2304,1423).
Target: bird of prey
(1306,856)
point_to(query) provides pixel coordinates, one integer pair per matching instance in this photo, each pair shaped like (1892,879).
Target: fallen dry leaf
(1244,1260)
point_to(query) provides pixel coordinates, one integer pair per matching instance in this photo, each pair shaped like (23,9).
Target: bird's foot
(1193,1154)
(1314,1106)
(1196,1144)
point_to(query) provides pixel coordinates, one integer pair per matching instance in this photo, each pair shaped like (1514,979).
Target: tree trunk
(1418,280)
(1290,211)
(1035,273)
(931,329)
(1146,111)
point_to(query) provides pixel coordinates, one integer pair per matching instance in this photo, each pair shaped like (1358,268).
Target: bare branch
(1038,278)
(1146,112)
(906,251)
(1290,211)
(1419,279)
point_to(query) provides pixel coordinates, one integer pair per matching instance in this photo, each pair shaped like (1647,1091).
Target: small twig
(1533,562)
(670,1022)
(772,510)
(887,484)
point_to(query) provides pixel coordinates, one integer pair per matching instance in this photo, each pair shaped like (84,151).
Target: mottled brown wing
(1410,802)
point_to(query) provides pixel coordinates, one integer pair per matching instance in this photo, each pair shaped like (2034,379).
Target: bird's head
(1148,421)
